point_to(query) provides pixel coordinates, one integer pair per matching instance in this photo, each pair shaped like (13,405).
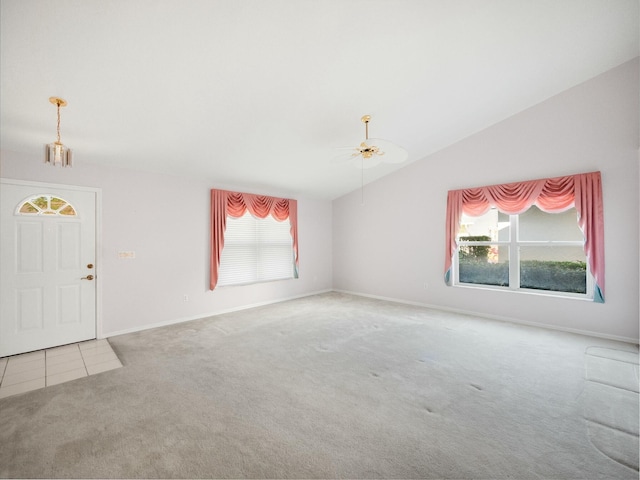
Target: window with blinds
(256,250)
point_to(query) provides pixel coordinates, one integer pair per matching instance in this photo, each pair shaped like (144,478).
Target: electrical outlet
(186,297)
(426,285)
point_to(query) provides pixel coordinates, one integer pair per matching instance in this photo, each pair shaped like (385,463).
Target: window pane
(238,264)
(271,265)
(57,203)
(240,230)
(41,202)
(28,208)
(273,231)
(558,269)
(535,225)
(486,265)
(256,250)
(493,224)
(68,210)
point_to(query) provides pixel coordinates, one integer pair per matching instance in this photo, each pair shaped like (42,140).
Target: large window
(254,238)
(527,235)
(256,250)
(533,251)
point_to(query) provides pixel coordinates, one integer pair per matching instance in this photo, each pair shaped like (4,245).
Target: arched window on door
(46,204)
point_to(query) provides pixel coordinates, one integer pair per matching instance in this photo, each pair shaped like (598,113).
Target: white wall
(394,244)
(165,220)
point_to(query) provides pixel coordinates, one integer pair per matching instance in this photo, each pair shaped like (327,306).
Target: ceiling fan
(372,151)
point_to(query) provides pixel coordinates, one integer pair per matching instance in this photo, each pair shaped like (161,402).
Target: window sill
(255,282)
(537,293)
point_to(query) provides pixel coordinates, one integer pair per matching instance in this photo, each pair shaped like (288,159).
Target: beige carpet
(337,386)
(611,403)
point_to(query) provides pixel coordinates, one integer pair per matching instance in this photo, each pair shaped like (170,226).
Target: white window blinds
(256,250)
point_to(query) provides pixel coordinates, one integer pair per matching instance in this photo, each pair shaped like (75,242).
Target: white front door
(47,264)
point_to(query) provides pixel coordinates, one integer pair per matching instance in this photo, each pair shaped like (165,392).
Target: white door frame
(98,246)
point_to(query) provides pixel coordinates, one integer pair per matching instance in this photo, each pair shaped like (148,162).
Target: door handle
(88,277)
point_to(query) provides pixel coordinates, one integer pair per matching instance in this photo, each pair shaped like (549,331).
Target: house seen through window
(534,250)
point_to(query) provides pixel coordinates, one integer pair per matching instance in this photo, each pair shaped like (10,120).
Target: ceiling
(259,94)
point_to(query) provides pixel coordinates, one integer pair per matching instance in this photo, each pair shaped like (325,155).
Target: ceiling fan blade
(356,159)
(344,157)
(392,153)
(371,152)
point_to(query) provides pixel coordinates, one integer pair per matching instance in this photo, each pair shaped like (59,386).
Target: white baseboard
(205,315)
(377,297)
(497,317)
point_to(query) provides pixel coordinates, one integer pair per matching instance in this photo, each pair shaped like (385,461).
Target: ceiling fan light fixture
(57,153)
(373,151)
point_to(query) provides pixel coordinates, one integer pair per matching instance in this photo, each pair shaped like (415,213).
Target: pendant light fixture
(56,153)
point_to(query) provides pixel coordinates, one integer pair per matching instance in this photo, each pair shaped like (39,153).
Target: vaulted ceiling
(259,94)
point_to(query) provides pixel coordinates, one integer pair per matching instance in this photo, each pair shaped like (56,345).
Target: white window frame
(514,245)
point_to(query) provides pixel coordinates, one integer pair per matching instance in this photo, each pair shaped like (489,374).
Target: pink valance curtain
(236,204)
(584,191)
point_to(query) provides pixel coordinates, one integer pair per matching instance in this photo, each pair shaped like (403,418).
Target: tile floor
(34,370)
